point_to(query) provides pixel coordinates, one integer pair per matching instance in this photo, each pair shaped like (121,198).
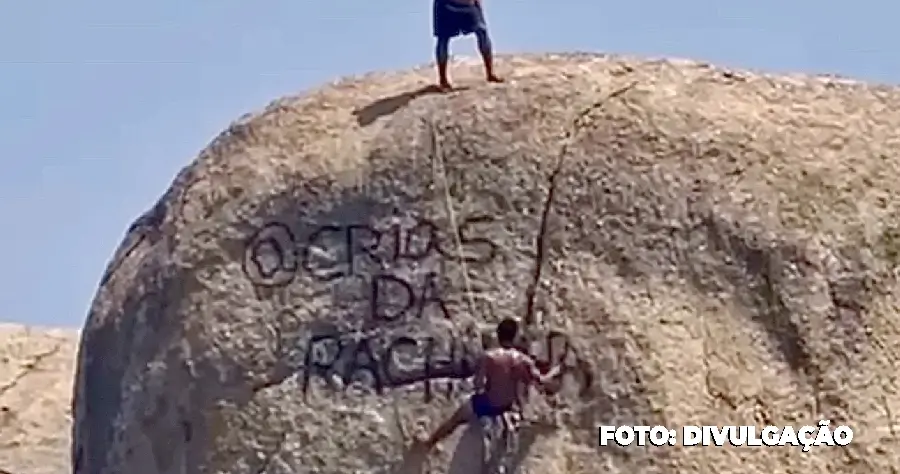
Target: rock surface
(715,247)
(36,368)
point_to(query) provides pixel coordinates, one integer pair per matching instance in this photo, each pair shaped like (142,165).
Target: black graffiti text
(333,252)
(376,360)
(394,299)
(271,257)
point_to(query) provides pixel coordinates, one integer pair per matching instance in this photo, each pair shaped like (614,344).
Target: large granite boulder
(696,245)
(36,368)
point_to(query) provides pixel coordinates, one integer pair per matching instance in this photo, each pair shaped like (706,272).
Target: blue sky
(102,102)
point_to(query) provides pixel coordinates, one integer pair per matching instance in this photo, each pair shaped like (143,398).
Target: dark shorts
(483,407)
(454,18)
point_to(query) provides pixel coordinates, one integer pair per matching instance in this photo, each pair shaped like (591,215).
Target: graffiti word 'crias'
(274,255)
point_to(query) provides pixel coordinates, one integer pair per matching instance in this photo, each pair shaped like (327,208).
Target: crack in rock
(579,123)
(28,370)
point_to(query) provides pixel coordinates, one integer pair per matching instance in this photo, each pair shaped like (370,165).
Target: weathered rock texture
(720,246)
(36,368)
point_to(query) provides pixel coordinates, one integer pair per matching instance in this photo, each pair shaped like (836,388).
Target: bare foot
(495,79)
(445,87)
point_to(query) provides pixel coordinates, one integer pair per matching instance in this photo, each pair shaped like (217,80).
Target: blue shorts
(483,408)
(454,18)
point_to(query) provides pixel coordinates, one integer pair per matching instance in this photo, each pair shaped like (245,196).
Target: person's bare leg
(442,57)
(462,414)
(487,55)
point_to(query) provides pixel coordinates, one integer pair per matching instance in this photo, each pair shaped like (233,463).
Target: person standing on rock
(500,374)
(453,18)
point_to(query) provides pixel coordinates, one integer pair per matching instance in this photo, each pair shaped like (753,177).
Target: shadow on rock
(388,105)
(469,454)
(414,460)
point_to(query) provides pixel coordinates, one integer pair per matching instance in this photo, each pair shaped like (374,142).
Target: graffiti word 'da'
(393,298)
(376,360)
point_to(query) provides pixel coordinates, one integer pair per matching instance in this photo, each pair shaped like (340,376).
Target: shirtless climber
(501,373)
(453,18)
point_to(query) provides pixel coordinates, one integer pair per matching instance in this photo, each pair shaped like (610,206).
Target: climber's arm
(542,379)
